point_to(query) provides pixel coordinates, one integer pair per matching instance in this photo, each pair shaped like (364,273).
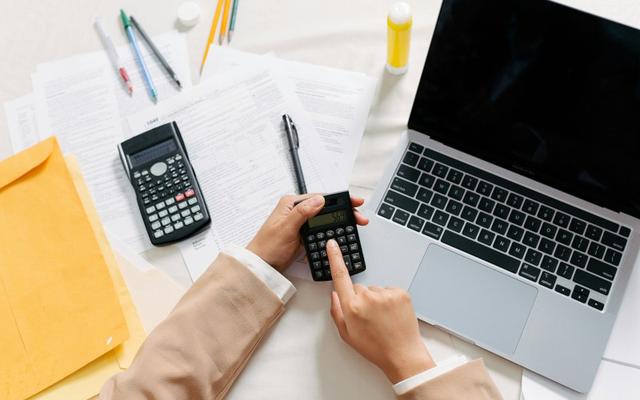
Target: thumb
(305,210)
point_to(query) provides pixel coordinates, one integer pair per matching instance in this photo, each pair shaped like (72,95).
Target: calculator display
(337,217)
(153,152)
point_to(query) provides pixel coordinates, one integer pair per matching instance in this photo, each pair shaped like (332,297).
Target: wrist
(406,367)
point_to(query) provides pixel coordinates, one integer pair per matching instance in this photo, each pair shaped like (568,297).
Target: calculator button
(142,188)
(317,265)
(188,221)
(198,216)
(178,157)
(322,244)
(154,197)
(137,175)
(330,234)
(170,161)
(168,229)
(158,234)
(355,257)
(155,225)
(349,229)
(147,179)
(175,217)
(320,235)
(169,201)
(323,253)
(344,249)
(342,240)
(173,209)
(357,266)
(165,221)
(179,197)
(163,213)
(150,210)
(153,217)
(351,238)
(178,225)
(310,238)
(325,264)
(182,205)
(192,201)
(185,213)
(315,256)
(317,275)
(339,232)
(160,205)
(313,247)
(353,247)
(146,202)
(145,172)
(190,193)
(158,168)
(347,262)
(195,209)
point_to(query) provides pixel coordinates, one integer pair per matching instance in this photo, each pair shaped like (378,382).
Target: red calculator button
(180,197)
(190,193)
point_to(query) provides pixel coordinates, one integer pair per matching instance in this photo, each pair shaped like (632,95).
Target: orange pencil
(225,20)
(212,33)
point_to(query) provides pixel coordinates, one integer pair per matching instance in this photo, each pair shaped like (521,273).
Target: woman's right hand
(379,323)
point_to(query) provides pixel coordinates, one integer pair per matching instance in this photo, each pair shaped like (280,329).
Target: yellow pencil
(225,20)
(212,33)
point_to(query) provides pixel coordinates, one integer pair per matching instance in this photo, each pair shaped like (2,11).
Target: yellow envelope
(59,309)
(86,382)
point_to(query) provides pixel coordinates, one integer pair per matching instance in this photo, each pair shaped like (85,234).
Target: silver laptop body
(541,281)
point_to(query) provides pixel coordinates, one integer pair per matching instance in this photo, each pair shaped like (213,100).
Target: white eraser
(189,13)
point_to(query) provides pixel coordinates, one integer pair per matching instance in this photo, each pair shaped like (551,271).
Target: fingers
(338,316)
(305,210)
(341,279)
(360,219)
(356,201)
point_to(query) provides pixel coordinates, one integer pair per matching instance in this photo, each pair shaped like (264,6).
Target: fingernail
(332,244)
(316,201)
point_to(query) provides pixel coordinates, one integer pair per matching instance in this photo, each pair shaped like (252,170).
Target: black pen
(156,52)
(294,144)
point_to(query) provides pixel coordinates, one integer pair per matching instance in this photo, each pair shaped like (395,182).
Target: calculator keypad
(346,238)
(168,196)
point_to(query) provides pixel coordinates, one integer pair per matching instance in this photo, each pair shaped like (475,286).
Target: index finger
(341,279)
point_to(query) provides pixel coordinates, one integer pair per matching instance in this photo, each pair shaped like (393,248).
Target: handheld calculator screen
(153,152)
(336,217)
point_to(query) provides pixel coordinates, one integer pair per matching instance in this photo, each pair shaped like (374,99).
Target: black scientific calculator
(335,221)
(167,191)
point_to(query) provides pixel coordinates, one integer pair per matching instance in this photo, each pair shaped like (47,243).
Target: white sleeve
(413,382)
(280,285)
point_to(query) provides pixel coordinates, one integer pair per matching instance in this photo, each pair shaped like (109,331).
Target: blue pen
(132,39)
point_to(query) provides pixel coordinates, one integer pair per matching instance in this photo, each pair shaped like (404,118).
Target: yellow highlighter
(399,23)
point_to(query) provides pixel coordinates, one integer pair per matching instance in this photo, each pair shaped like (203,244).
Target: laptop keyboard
(559,247)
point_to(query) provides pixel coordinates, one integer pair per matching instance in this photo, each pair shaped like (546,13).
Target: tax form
(336,101)
(232,129)
(21,120)
(81,101)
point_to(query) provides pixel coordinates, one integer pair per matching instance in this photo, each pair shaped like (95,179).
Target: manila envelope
(59,308)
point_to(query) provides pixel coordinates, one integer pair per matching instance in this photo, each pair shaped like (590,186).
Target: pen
(232,24)
(113,54)
(134,44)
(155,51)
(294,145)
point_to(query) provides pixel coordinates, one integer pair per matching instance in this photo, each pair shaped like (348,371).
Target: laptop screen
(541,89)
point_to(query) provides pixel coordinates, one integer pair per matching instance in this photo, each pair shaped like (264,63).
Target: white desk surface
(343,34)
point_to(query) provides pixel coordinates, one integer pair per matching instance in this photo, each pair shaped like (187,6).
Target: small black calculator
(335,221)
(167,191)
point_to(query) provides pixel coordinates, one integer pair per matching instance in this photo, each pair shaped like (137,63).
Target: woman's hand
(378,323)
(278,240)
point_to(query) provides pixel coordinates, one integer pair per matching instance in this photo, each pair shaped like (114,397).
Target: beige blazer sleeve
(467,382)
(202,346)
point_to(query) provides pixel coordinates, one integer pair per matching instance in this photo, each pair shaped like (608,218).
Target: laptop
(510,207)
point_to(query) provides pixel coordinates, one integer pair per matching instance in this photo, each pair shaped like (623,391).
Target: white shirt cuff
(413,382)
(279,285)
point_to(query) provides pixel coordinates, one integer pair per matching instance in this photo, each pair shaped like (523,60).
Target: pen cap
(125,19)
(399,23)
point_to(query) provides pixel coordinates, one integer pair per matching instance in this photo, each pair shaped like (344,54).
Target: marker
(113,55)
(134,44)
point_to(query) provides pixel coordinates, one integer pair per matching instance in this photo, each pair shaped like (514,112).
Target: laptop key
(470,230)
(516,217)
(441,186)
(578,259)
(454,207)
(502,243)
(499,194)
(440,170)
(456,192)
(432,230)
(615,241)
(499,226)
(426,211)
(596,250)
(386,211)
(411,158)
(416,223)
(613,257)
(425,164)
(530,207)
(455,224)
(561,219)
(624,231)
(401,217)
(592,282)
(531,239)
(454,176)
(580,243)
(440,218)
(424,195)
(550,264)
(501,211)
(533,257)
(406,172)
(564,236)
(579,293)
(517,250)
(563,290)
(471,198)
(404,187)
(530,272)
(515,200)
(416,147)
(547,280)
(562,252)
(565,270)
(486,237)
(515,233)
(546,213)
(469,182)
(439,201)
(593,232)
(596,304)
(482,252)
(601,269)
(548,230)
(469,213)
(547,246)
(532,224)
(484,188)
(427,180)
(484,220)
(401,201)
(486,204)
(577,226)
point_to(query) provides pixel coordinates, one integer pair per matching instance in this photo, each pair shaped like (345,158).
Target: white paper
(613,381)
(336,101)
(232,128)
(21,121)
(82,102)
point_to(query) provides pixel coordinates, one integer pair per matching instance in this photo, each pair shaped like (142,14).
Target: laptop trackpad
(486,306)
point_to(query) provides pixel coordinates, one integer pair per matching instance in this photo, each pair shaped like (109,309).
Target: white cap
(188,14)
(400,12)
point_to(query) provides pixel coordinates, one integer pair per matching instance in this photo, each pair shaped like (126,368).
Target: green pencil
(232,23)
